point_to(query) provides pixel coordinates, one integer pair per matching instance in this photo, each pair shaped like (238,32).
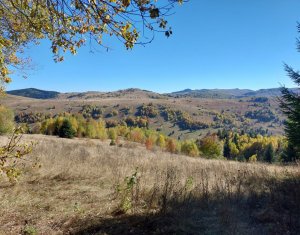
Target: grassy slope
(75,193)
(203,110)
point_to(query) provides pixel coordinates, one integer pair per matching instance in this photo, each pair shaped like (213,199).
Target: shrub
(190,148)
(36,128)
(211,146)
(111,123)
(149,111)
(253,158)
(13,155)
(57,124)
(269,154)
(89,111)
(136,135)
(126,110)
(48,127)
(112,133)
(90,130)
(101,131)
(149,143)
(161,141)
(171,146)
(130,121)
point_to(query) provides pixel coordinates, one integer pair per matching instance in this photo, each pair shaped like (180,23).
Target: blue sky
(216,44)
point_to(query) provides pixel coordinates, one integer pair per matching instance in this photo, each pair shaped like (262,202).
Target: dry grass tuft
(89,187)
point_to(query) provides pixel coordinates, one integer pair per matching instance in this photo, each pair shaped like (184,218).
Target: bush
(269,154)
(161,142)
(112,134)
(149,111)
(171,146)
(190,148)
(211,146)
(253,158)
(137,135)
(66,130)
(149,143)
(6,120)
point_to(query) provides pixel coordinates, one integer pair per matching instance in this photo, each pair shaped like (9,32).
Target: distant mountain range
(228,93)
(134,92)
(34,93)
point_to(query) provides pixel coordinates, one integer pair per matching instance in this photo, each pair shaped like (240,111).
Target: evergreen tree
(226,150)
(289,154)
(290,106)
(235,139)
(66,130)
(219,134)
(269,154)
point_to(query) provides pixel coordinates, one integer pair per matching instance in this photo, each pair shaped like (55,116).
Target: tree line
(221,145)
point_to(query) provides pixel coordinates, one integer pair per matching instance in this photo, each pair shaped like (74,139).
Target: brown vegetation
(88,187)
(183,118)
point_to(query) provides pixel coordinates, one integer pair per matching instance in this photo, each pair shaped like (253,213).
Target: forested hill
(228,93)
(34,93)
(138,93)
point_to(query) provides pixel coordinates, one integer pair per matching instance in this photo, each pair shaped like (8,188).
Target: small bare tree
(13,156)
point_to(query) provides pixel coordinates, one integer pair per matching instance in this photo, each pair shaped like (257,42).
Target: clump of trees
(31,117)
(243,147)
(183,120)
(222,145)
(137,121)
(262,115)
(260,100)
(149,111)
(210,146)
(190,148)
(91,111)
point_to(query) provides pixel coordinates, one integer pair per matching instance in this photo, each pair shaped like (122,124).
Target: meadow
(86,186)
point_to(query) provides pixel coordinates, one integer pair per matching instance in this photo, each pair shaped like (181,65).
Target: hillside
(135,93)
(132,93)
(228,93)
(178,117)
(34,93)
(88,187)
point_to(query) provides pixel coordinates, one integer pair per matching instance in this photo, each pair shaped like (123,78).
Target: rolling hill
(34,93)
(227,93)
(197,112)
(135,93)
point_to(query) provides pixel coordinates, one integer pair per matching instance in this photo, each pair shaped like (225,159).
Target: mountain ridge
(136,92)
(34,93)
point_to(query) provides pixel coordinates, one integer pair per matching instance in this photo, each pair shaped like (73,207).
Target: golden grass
(74,192)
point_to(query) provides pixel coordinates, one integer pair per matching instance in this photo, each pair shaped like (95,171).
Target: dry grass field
(88,187)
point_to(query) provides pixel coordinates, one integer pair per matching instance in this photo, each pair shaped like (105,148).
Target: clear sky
(216,44)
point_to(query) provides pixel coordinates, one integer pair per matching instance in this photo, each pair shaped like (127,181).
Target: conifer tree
(226,148)
(270,154)
(66,130)
(290,106)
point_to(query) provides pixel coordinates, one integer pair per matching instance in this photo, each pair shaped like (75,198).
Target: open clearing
(82,188)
